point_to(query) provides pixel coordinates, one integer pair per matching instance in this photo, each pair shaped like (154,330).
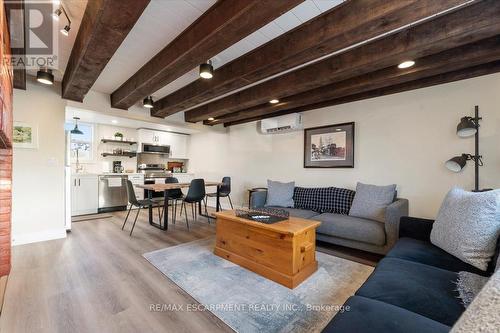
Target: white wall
(403,139)
(38,174)
(100,164)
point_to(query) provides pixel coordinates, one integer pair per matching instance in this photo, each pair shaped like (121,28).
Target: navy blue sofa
(411,290)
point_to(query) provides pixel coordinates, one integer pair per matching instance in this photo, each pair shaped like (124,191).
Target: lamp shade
(45,76)
(148,102)
(457,163)
(206,70)
(76,130)
(466,127)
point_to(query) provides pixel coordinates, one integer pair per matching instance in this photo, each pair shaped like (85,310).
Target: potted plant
(118,136)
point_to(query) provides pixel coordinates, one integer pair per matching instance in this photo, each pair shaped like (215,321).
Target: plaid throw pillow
(324,199)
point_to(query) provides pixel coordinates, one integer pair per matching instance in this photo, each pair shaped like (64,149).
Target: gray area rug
(248,302)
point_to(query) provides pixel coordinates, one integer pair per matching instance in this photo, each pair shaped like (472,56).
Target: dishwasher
(112,193)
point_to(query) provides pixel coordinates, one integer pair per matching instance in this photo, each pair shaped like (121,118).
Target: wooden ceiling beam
(454,59)
(104,26)
(475,22)
(322,35)
(224,24)
(462,74)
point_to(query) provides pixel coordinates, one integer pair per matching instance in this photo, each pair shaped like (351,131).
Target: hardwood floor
(96,280)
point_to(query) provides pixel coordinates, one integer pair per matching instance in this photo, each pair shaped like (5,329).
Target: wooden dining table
(171,186)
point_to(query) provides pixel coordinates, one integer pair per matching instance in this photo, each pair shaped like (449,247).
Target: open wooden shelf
(126,154)
(118,141)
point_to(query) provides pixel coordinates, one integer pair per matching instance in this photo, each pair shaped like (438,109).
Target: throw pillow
(469,285)
(468,226)
(279,194)
(482,315)
(371,201)
(324,199)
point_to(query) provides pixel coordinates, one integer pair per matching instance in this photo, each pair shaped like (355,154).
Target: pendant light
(148,102)
(45,76)
(207,70)
(76,130)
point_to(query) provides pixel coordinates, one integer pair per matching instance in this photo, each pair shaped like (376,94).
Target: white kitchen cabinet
(178,142)
(84,194)
(178,145)
(149,136)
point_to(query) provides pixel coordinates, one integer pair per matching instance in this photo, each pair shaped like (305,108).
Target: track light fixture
(57,13)
(65,30)
(207,70)
(45,76)
(148,102)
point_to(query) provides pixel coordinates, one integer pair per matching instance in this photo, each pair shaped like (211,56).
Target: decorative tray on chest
(264,215)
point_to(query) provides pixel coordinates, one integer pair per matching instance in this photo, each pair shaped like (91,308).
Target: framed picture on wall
(25,135)
(329,146)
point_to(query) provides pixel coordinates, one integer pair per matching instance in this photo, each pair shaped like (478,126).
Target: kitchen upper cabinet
(84,194)
(178,142)
(178,145)
(149,136)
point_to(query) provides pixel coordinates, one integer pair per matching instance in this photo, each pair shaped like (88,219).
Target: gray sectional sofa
(354,232)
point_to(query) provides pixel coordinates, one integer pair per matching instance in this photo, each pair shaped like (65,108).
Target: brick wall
(5,147)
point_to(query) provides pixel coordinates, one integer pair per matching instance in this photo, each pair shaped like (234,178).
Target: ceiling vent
(282,124)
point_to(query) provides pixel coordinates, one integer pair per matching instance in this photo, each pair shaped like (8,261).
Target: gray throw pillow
(279,194)
(371,201)
(482,314)
(468,226)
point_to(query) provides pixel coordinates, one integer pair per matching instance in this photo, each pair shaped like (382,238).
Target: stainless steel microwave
(155,149)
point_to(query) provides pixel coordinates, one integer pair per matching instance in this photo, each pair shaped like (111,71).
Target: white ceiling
(162,21)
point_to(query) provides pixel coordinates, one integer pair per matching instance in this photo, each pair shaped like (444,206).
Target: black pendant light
(45,76)
(207,70)
(148,102)
(76,130)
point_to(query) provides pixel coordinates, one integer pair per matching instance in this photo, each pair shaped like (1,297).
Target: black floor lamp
(467,127)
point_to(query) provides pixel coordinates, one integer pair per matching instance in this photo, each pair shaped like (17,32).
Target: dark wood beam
(18,40)
(224,24)
(322,35)
(451,60)
(104,26)
(462,74)
(475,22)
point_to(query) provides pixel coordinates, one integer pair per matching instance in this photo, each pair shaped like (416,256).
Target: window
(81,143)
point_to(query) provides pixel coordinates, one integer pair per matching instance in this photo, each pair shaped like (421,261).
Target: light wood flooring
(96,280)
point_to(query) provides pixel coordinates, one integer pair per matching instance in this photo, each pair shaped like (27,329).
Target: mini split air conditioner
(282,124)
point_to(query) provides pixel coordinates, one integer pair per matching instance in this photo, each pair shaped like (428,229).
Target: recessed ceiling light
(148,102)
(45,76)
(114,121)
(274,101)
(65,30)
(211,119)
(207,70)
(406,64)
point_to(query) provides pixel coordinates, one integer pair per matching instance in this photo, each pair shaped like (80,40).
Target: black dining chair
(140,204)
(195,195)
(174,195)
(224,191)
